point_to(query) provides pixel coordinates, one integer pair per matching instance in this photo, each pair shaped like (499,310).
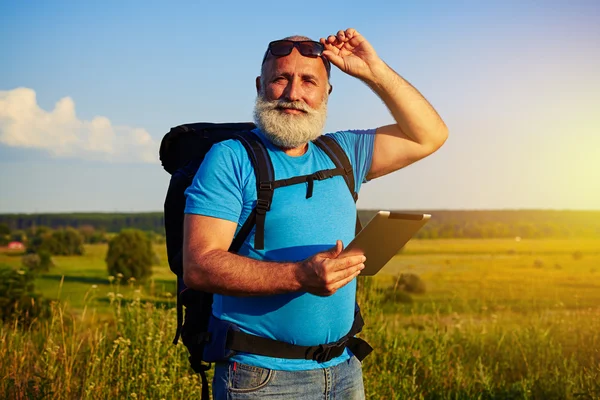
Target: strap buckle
(320,175)
(325,353)
(265,186)
(262,206)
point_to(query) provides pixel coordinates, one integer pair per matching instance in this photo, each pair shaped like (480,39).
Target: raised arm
(418,132)
(208,266)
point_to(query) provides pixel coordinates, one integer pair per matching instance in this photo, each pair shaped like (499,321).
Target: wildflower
(94,286)
(119,295)
(132,279)
(119,275)
(21,272)
(111,278)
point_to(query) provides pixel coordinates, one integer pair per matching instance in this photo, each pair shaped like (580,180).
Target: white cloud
(24,124)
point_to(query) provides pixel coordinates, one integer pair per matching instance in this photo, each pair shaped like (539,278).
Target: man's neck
(296,151)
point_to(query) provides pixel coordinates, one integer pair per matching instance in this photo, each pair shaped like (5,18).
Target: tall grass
(94,357)
(549,355)
(546,356)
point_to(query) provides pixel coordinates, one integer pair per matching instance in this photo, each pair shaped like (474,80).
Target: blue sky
(88,90)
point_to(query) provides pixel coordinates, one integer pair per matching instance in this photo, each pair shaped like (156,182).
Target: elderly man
(298,289)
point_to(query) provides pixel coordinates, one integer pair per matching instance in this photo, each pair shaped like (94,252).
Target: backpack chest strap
(317,176)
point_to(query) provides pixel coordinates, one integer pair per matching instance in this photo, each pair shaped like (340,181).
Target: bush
(410,283)
(18,299)
(130,254)
(38,262)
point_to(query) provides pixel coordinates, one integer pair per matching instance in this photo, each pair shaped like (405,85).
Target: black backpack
(182,150)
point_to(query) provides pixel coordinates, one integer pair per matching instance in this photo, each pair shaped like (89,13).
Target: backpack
(182,150)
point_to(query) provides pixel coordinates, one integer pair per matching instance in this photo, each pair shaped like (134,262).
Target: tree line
(443,224)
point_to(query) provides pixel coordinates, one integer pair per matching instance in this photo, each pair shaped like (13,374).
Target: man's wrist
(297,276)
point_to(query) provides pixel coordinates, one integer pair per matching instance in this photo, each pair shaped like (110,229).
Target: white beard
(289,131)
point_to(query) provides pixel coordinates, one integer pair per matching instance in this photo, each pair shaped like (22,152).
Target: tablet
(385,234)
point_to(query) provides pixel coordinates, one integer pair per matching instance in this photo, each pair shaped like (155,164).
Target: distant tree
(130,254)
(18,236)
(4,234)
(70,240)
(62,242)
(4,229)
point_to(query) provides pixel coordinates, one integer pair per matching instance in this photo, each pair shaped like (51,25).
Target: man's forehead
(297,63)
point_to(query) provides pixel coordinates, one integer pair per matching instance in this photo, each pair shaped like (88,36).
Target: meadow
(499,319)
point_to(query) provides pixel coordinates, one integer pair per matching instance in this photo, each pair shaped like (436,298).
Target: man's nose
(293,91)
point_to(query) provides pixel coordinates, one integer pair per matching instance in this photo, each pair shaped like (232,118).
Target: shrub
(18,299)
(130,254)
(38,262)
(410,283)
(31,261)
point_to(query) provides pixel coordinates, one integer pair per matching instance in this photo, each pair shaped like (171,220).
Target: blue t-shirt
(296,228)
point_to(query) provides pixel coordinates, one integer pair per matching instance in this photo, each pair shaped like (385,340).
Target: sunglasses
(308,48)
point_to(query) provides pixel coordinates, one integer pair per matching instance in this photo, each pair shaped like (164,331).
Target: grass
(500,320)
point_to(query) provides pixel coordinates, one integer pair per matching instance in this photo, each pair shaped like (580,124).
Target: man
(298,289)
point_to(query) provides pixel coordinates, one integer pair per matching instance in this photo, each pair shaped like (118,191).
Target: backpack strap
(335,152)
(239,341)
(265,175)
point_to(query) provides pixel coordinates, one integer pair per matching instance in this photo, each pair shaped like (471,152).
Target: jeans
(233,381)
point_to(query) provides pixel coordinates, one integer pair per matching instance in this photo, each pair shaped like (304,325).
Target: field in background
(500,319)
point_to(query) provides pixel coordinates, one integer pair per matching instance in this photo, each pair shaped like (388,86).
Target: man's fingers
(344,274)
(351,32)
(347,262)
(341,36)
(331,289)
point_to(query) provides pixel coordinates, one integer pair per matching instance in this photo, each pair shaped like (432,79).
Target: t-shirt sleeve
(358,145)
(216,190)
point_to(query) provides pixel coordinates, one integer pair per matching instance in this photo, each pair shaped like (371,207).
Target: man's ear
(258,84)
(330,88)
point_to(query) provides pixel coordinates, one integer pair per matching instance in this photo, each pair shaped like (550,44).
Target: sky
(88,89)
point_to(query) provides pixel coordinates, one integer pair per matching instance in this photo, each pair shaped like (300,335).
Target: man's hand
(324,273)
(350,52)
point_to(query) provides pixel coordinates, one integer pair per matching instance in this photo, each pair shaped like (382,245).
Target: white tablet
(385,234)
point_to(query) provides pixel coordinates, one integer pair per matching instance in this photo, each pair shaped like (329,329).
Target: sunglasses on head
(308,48)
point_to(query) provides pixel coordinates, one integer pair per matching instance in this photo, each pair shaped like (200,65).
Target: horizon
(358,209)
(90,89)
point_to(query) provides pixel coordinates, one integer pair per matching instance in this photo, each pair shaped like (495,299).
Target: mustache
(293,105)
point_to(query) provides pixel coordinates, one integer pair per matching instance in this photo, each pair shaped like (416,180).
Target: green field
(500,319)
